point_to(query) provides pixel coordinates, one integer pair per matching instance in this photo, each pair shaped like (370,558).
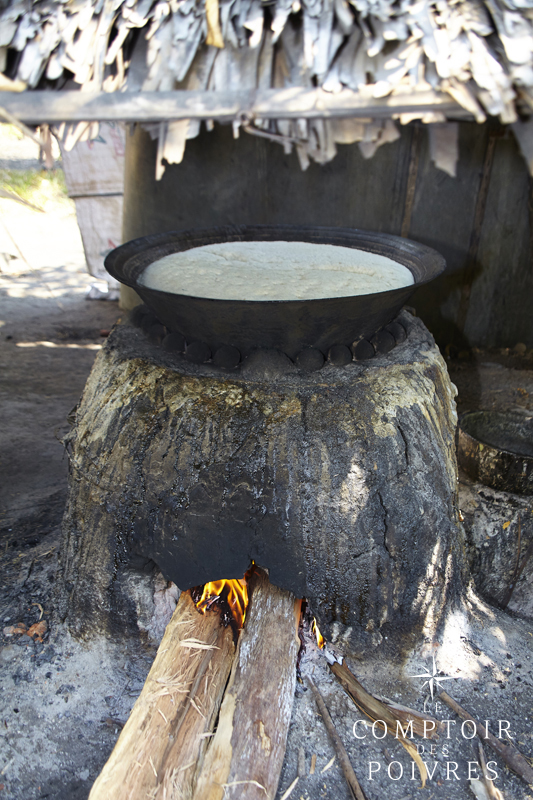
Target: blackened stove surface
(341,482)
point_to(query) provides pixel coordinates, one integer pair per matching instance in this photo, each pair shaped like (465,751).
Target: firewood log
(245,757)
(164,739)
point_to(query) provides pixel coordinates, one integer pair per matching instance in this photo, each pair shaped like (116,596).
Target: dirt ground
(63,702)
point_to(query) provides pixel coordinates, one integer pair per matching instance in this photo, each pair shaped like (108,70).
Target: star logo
(433,679)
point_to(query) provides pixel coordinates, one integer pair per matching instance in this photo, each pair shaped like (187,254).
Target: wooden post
(475,236)
(244,759)
(165,737)
(414,158)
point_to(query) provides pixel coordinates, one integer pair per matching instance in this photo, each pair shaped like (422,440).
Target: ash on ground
(484,662)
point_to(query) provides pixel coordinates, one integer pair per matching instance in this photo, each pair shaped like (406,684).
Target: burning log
(167,732)
(164,750)
(244,759)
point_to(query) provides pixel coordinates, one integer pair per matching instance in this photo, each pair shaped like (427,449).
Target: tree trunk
(341,482)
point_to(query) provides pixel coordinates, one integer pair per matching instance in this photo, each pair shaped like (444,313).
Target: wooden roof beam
(37,107)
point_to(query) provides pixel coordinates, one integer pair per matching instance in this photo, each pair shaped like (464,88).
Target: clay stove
(340,479)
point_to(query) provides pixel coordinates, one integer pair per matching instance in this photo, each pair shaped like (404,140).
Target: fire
(319,638)
(235,592)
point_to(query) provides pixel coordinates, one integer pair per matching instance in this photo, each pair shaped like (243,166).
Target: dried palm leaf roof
(480,52)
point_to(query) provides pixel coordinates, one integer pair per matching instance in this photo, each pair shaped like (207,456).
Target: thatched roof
(478,51)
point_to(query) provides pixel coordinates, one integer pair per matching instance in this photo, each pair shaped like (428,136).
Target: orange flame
(319,638)
(236,595)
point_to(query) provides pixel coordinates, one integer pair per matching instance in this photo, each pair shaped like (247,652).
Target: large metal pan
(288,325)
(496,448)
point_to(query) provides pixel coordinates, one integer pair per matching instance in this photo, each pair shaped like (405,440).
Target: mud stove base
(342,483)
